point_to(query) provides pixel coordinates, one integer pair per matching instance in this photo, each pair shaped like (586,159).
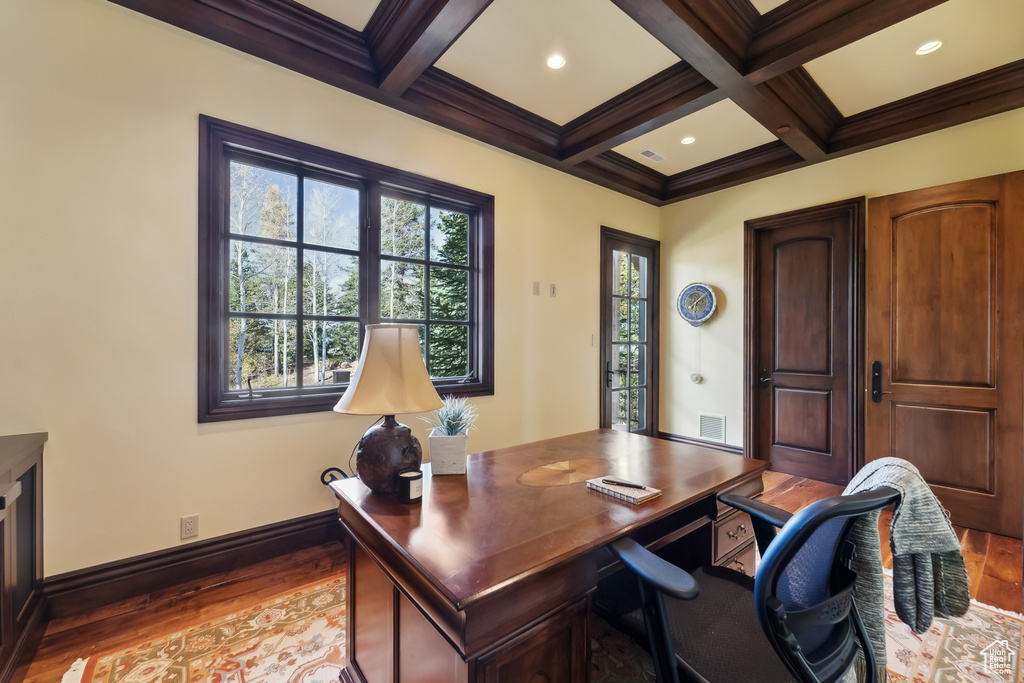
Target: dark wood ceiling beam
(405,37)
(805,32)
(446,100)
(752,164)
(615,171)
(802,93)
(991,92)
(683,32)
(672,94)
(281,32)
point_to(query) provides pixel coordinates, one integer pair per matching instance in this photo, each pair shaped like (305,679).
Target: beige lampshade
(391,377)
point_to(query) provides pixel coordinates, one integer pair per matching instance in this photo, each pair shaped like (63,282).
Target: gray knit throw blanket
(929,576)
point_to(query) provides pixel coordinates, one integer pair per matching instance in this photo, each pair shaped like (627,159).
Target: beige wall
(702,240)
(98,184)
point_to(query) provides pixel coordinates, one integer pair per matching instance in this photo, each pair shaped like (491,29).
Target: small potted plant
(451,423)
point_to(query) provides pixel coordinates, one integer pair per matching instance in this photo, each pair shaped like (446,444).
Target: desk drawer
(731,532)
(743,561)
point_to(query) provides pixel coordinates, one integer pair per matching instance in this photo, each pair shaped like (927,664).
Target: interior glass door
(628,340)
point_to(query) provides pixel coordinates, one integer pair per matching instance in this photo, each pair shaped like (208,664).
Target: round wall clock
(696,303)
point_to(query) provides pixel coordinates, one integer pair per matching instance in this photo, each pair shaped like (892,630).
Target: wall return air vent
(652,155)
(712,427)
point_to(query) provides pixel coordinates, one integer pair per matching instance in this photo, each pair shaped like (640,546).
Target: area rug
(983,646)
(295,637)
(299,637)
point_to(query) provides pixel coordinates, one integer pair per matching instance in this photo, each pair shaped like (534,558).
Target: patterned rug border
(79,668)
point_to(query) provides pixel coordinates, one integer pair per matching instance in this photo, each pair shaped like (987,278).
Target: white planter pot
(447,453)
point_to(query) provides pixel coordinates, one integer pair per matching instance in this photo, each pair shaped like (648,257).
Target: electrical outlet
(536,289)
(553,291)
(189,526)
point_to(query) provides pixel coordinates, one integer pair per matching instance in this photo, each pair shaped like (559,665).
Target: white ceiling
(976,35)
(505,52)
(352,13)
(718,131)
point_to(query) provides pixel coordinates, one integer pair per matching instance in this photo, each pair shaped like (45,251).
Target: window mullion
(474,310)
(426,290)
(300,284)
(370,250)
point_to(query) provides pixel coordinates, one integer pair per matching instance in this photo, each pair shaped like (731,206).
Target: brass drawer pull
(742,529)
(740,567)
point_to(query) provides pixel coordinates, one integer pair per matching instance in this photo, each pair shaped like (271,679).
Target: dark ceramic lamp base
(384,451)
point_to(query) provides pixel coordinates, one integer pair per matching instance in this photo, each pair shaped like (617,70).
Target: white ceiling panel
(766,6)
(352,13)
(976,35)
(719,130)
(505,52)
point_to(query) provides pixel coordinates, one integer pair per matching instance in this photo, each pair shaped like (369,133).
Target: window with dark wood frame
(300,248)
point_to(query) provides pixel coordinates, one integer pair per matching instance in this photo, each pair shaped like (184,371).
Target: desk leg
(369,620)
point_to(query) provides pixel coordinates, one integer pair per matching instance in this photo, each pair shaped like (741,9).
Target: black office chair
(795,621)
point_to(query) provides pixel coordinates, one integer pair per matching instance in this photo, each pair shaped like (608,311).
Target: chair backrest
(803,590)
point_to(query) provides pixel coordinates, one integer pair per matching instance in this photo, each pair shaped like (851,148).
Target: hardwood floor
(993,562)
(130,621)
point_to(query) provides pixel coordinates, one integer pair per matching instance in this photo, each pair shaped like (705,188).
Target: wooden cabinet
(21,550)
(734,545)
(551,652)
(732,532)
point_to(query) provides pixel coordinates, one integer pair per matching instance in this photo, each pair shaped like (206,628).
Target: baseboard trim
(679,438)
(87,589)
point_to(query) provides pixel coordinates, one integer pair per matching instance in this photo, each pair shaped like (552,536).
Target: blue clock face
(696,303)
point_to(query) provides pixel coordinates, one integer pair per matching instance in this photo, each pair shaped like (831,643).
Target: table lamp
(390,379)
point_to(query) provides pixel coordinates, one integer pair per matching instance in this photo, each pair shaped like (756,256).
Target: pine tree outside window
(301,247)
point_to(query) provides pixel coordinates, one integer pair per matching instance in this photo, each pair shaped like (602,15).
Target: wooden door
(945,312)
(629,332)
(803,332)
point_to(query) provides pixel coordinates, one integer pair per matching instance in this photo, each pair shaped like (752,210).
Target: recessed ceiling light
(688,140)
(929,47)
(556,61)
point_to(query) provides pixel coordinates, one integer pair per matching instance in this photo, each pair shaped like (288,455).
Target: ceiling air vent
(652,155)
(712,427)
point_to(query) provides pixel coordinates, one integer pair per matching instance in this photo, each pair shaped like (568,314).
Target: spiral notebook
(626,493)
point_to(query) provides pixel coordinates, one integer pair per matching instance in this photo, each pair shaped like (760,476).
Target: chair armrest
(663,575)
(764,517)
(756,509)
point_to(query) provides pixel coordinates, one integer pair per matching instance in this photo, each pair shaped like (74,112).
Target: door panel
(629,322)
(803,270)
(802,419)
(943,295)
(803,329)
(933,432)
(945,306)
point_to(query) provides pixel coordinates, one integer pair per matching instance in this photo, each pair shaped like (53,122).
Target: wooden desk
(489,578)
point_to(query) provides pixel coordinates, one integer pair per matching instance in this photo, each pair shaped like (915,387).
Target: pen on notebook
(628,485)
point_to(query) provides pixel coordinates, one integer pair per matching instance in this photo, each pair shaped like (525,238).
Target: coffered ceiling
(761,86)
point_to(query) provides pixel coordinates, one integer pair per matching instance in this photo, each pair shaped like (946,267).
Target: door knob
(764,379)
(876,382)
